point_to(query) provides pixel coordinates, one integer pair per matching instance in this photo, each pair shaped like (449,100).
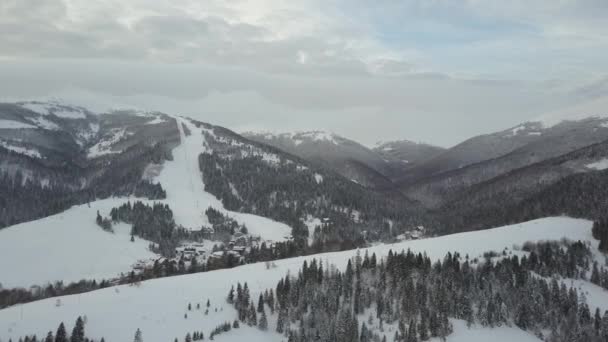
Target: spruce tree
(78,331)
(138,336)
(61,335)
(263,323)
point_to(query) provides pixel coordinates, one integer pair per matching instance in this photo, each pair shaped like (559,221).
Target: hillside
(191,181)
(510,150)
(345,156)
(407,152)
(159,307)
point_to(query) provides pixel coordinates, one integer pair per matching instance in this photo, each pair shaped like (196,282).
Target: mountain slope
(347,157)
(189,170)
(534,145)
(407,152)
(159,307)
(69,247)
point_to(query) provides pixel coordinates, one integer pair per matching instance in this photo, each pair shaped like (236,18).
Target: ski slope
(186,195)
(157,307)
(68,246)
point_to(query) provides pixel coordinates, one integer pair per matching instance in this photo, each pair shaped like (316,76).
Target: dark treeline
(600,232)
(413,299)
(287,190)
(223,227)
(580,195)
(62,335)
(9,297)
(55,188)
(154,223)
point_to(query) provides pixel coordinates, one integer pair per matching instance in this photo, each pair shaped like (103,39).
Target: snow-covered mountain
(407,152)
(124,197)
(215,184)
(345,156)
(484,157)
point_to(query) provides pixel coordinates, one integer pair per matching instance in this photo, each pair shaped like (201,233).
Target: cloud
(430,70)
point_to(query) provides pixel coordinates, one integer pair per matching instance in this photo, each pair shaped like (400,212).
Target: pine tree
(252,317)
(49,337)
(138,336)
(263,324)
(230,298)
(61,335)
(78,331)
(281,321)
(260,304)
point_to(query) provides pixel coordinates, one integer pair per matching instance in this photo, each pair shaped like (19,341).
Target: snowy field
(68,246)
(157,307)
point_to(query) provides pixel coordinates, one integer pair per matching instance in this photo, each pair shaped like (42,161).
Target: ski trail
(183,181)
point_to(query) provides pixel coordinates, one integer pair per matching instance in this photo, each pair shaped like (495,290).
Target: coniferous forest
(408,297)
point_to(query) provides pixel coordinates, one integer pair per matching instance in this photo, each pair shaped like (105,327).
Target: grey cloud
(340,75)
(441,111)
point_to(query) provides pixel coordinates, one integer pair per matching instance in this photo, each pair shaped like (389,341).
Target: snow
(599,165)
(86,135)
(55,108)
(104,146)
(36,107)
(517,129)
(158,306)
(298,137)
(69,113)
(319,136)
(21,150)
(11,124)
(186,195)
(483,334)
(312,223)
(68,246)
(156,120)
(596,296)
(45,124)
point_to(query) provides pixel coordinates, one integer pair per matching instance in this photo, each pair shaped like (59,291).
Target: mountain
(474,150)
(54,155)
(407,152)
(482,158)
(95,206)
(568,184)
(347,157)
(172,180)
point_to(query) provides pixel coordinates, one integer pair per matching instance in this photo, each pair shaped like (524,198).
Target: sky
(436,71)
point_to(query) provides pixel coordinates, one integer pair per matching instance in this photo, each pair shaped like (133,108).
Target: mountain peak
(297,137)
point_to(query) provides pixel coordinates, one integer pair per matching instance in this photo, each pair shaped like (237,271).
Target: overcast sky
(437,71)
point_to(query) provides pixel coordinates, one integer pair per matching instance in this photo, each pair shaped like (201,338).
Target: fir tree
(61,335)
(263,323)
(78,331)
(138,336)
